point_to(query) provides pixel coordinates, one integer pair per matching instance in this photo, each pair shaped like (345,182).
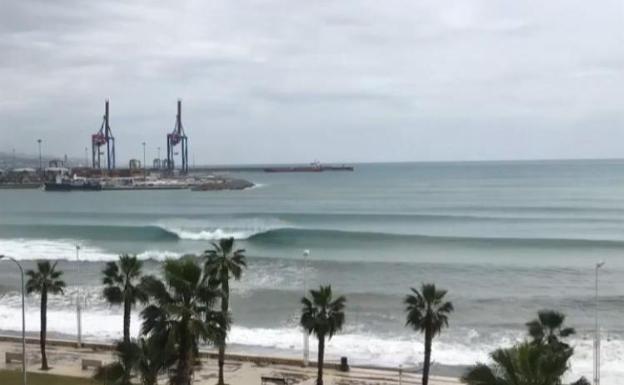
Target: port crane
(103,137)
(177,136)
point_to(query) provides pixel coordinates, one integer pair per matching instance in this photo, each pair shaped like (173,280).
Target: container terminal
(170,173)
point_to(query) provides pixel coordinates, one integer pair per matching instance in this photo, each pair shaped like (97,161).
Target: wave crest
(214,234)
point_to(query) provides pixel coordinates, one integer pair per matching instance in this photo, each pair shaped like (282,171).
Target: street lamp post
(159,166)
(144,165)
(78,300)
(306,335)
(40,161)
(23,319)
(597,331)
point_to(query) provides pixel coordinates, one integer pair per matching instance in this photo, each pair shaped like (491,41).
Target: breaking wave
(275,232)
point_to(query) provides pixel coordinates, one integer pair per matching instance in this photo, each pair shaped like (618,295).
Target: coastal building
(134,164)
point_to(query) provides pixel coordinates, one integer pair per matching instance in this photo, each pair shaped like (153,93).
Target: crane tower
(177,136)
(103,137)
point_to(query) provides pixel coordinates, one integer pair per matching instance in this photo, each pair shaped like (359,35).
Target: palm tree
(524,364)
(427,313)
(224,262)
(46,279)
(179,306)
(144,357)
(123,370)
(122,280)
(154,358)
(324,317)
(548,328)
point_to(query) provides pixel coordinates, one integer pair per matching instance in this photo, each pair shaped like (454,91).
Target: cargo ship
(312,167)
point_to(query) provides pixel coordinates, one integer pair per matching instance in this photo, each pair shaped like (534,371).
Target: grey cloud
(295,80)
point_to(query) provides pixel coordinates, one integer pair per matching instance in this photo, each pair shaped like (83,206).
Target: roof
(24,169)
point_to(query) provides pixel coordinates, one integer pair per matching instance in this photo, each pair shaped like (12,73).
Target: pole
(107,135)
(40,161)
(23,319)
(596,330)
(306,335)
(23,325)
(144,165)
(159,166)
(78,300)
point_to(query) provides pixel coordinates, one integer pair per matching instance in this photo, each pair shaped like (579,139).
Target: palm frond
(480,374)
(426,310)
(45,279)
(321,314)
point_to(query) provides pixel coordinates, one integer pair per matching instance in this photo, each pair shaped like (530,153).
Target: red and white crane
(103,137)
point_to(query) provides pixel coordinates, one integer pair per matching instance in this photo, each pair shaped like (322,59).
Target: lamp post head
(600,264)
(306,253)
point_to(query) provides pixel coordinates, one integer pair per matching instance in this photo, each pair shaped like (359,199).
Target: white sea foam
(238,228)
(209,235)
(159,255)
(27,249)
(465,348)
(51,249)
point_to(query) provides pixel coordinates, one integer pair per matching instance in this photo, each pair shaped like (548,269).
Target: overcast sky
(298,80)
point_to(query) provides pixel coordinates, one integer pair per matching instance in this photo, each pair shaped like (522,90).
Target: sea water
(506,239)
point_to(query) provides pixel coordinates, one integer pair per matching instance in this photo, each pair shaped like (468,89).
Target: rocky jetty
(219,184)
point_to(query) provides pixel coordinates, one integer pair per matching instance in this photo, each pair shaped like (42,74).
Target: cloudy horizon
(294,81)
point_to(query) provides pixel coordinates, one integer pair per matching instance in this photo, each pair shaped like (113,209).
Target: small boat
(76,184)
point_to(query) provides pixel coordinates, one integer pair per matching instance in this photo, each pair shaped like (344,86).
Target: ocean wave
(65,249)
(213,228)
(56,238)
(313,236)
(214,234)
(453,214)
(143,233)
(30,249)
(147,233)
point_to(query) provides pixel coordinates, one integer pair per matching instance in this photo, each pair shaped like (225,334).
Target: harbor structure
(103,138)
(177,136)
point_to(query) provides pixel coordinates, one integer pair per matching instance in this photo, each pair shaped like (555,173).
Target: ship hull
(308,169)
(72,187)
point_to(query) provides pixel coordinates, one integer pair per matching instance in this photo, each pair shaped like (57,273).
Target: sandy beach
(239,369)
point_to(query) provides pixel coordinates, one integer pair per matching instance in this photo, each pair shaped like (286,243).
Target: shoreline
(65,359)
(239,355)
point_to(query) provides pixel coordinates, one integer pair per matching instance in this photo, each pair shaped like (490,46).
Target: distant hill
(9,161)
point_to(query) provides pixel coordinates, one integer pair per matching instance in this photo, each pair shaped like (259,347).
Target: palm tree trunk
(225,307)
(126,321)
(321,358)
(185,360)
(44,321)
(150,379)
(427,363)
(183,375)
